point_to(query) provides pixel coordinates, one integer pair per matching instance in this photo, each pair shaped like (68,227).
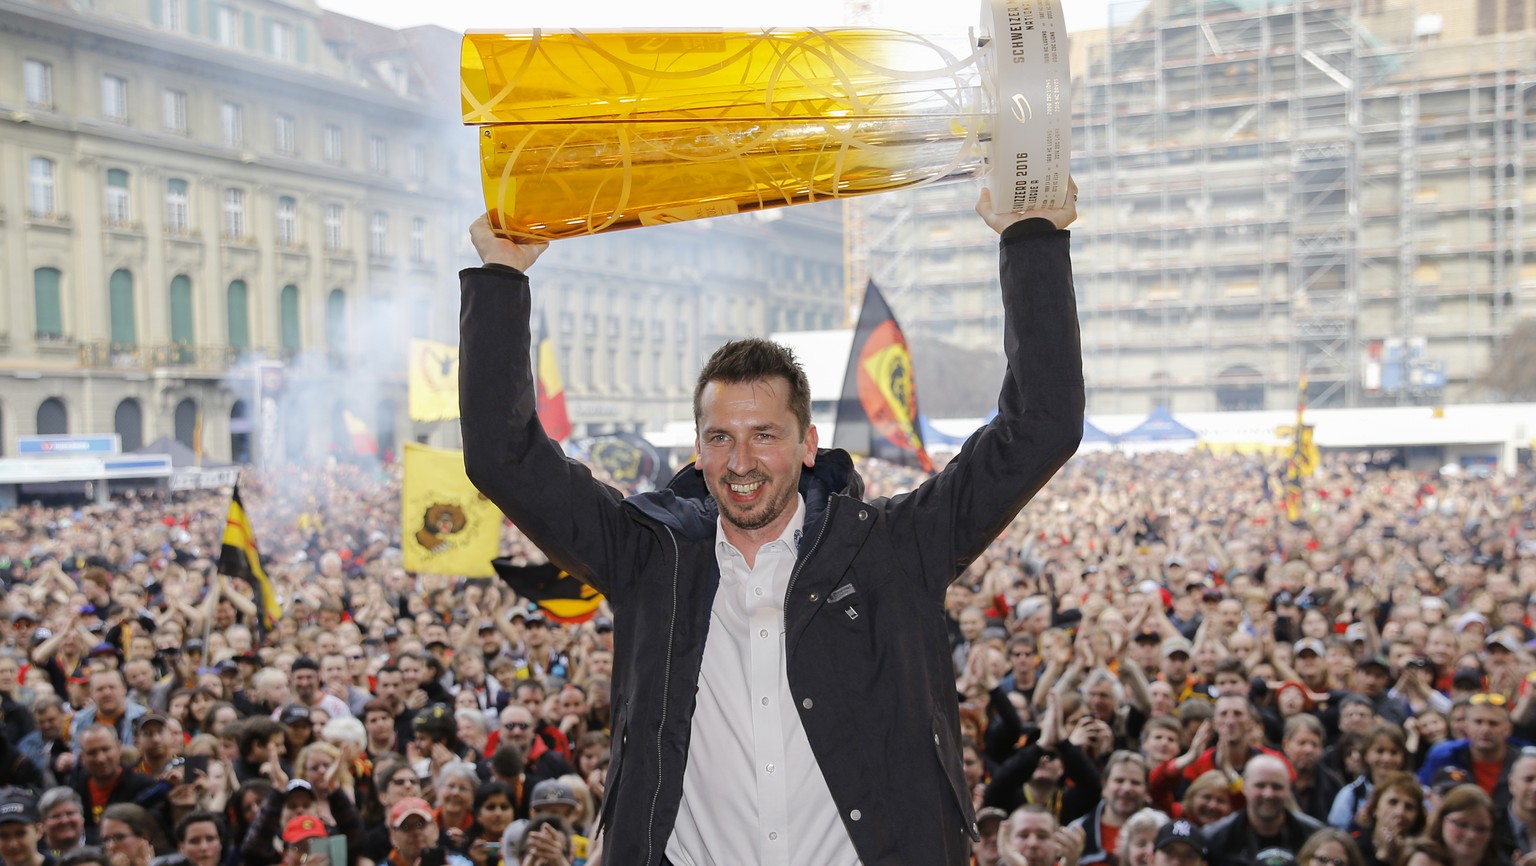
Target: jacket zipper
(666,683)
(795,575)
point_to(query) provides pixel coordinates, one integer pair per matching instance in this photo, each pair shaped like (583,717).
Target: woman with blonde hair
(315,765)
(1207,800)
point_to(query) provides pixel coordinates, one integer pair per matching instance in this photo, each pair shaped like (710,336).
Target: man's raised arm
(555,501)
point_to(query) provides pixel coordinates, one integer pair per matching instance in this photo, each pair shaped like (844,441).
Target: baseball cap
(1176,645)
(295,714)
(1377,660)
(1028,607)
(411,806)
(304,663)
(602,625)
(485,626)
(1469,619)
(552,792)
(20,615)
(1503,640)
(1355,632)
(1309,644)
(227,666)
(1447,778)
(303,827)
(18,808)
(1181,832)
(298,785)
(149,719)
(990,815)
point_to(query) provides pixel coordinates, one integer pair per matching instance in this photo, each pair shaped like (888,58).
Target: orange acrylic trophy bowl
(583,132)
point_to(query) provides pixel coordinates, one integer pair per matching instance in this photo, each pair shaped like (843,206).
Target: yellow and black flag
(562,598)
(877,415)
(240,558)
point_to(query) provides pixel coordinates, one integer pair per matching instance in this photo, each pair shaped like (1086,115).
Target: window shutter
(250,31)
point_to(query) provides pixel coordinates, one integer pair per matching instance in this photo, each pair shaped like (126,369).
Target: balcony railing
(148,356)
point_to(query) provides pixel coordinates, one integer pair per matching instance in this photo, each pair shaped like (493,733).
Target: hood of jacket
(686,505)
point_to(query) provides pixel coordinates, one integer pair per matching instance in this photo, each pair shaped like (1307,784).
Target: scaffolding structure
(1272,187)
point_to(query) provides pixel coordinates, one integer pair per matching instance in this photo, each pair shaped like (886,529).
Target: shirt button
(758,592)
(769,768)
(807,703)
(765,702)
(855,815)
(773,836)
(763,633)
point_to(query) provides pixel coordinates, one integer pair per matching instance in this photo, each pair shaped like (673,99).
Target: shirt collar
(790,536)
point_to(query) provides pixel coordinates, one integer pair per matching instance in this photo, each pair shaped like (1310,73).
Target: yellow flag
(447,526)
(434,381)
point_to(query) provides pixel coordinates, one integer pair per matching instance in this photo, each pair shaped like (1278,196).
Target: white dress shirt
(749,759)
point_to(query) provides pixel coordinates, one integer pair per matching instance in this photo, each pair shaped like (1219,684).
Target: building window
(174,109)
(117,197)
(177,218)
(114,98)
(45,297)
(239,315)
(39,83)
(181,311)
(332,144)
(288,315)
(336,321)
(416,162)
(120,302)
(234,214)
(287,222)
(226,26)
(52,418)
(333,226)
(170,15)
(287,138)
(40,188)
(419,240)
(279,40)
(378,154)
(567,324)
(232,121)
(378,235)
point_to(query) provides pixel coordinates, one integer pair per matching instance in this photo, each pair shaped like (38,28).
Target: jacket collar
(686,506)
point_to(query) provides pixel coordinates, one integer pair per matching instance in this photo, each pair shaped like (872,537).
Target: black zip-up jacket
(870,673)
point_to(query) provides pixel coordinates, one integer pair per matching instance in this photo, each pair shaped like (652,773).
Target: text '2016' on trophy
(584,132)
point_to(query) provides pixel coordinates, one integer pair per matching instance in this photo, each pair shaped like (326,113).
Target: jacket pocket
(946,750)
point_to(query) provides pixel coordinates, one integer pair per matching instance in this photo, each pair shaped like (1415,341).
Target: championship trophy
(584,132)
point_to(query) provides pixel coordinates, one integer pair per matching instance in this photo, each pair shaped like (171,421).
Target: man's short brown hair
(753,360)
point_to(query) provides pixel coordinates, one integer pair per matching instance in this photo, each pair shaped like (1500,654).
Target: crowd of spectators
(1153,664)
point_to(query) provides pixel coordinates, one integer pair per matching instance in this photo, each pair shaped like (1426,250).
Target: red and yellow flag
(363,443)
(877,415)
(239,558)
(551,388)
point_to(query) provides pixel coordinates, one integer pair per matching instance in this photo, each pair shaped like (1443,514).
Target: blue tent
(1090,432)
(1159,427)
(934,436)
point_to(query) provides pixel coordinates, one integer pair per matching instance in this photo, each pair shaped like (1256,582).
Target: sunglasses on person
(1493,699)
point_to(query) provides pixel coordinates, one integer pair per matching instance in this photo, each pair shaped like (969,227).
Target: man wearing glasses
(540,762)
(1486,753)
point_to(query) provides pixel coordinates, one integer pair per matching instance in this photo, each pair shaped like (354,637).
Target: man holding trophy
(782,683)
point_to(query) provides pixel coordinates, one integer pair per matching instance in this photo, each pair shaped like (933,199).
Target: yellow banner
(434,381)
(447,526)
